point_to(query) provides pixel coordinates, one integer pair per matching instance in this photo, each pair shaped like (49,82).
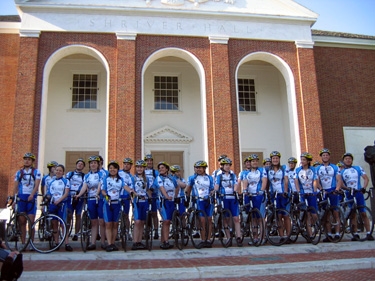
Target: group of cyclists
(109,190)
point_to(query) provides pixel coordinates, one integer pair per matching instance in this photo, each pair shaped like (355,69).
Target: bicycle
(195,223)
(148,232)
(52,230)
(85,225)
(276,220)
(13,232)
(305,221)
(178,226)
(123,229)
(252,223)
(330,217)
(222,223)
(360,219)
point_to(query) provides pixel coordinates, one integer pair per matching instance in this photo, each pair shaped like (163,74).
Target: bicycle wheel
(13,233)
(331,222)
(295,215)
(61,232)
(123,231)
(256,227)
(244,224)
(197,227)
(177,230)
(275,227)
(362,218)
(148,231)
(314,224)
(226,228)
(85,231)
(185,231)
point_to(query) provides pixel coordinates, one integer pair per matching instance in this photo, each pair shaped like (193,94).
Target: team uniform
(291,175)
(113,187)
(124,195)
(276,180)
(170,186)
(181,206)
(327,179)
(351,177)
(94,205)
(56,190)
(26,183)
(226,182)
(140,204)
(254,179)
(202,185)
(306,179)
(151,174)
(46,180)
(76,181)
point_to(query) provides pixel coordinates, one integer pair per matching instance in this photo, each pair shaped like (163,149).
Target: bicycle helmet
(128,160)
(52,164)
(324,150)
(265,160)
(175,168)
(252,157)
(114,163)
(347,154)
(29,155)
(340,164)
(307,155)
(225,161)
(221,157)
(316,163)
(141,163)
(292,160)
(200,163)
(93,158)
(81,160)
(148,156)
(275,153)
(163,163)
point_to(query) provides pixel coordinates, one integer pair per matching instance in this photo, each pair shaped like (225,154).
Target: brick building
(184,80)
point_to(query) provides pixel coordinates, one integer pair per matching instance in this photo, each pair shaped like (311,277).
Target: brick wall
(346,80)
(9,50)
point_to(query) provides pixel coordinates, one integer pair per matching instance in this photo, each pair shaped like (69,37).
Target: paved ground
(326,261)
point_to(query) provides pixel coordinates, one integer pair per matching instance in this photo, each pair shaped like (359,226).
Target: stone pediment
(287,8)
(167,134)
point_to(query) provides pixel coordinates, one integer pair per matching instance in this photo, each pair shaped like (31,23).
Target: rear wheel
(85,231)
(13,233)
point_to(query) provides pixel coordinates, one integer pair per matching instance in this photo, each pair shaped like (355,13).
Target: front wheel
(148,231)
(313,224)
(55,231)
(256,227)
(177,230)
(226,228)
(85,231)
(197,228)
(123,231)
(13,233)
(276,227)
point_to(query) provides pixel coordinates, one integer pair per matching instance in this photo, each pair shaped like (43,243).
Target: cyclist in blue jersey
(329,181)
(151,174)
(142,193)
(176,174)
(201,185)
(124,195)
(95,201)
(306,184)
(267,163)
(111,188)
(351,179)
(279,188)
(168,188)
(58,192)
(216,172)
(46,180)
(26,184)
(254,183)
(226,185)
(75,206)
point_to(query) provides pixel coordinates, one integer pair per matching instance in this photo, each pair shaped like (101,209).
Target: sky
(350,16)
